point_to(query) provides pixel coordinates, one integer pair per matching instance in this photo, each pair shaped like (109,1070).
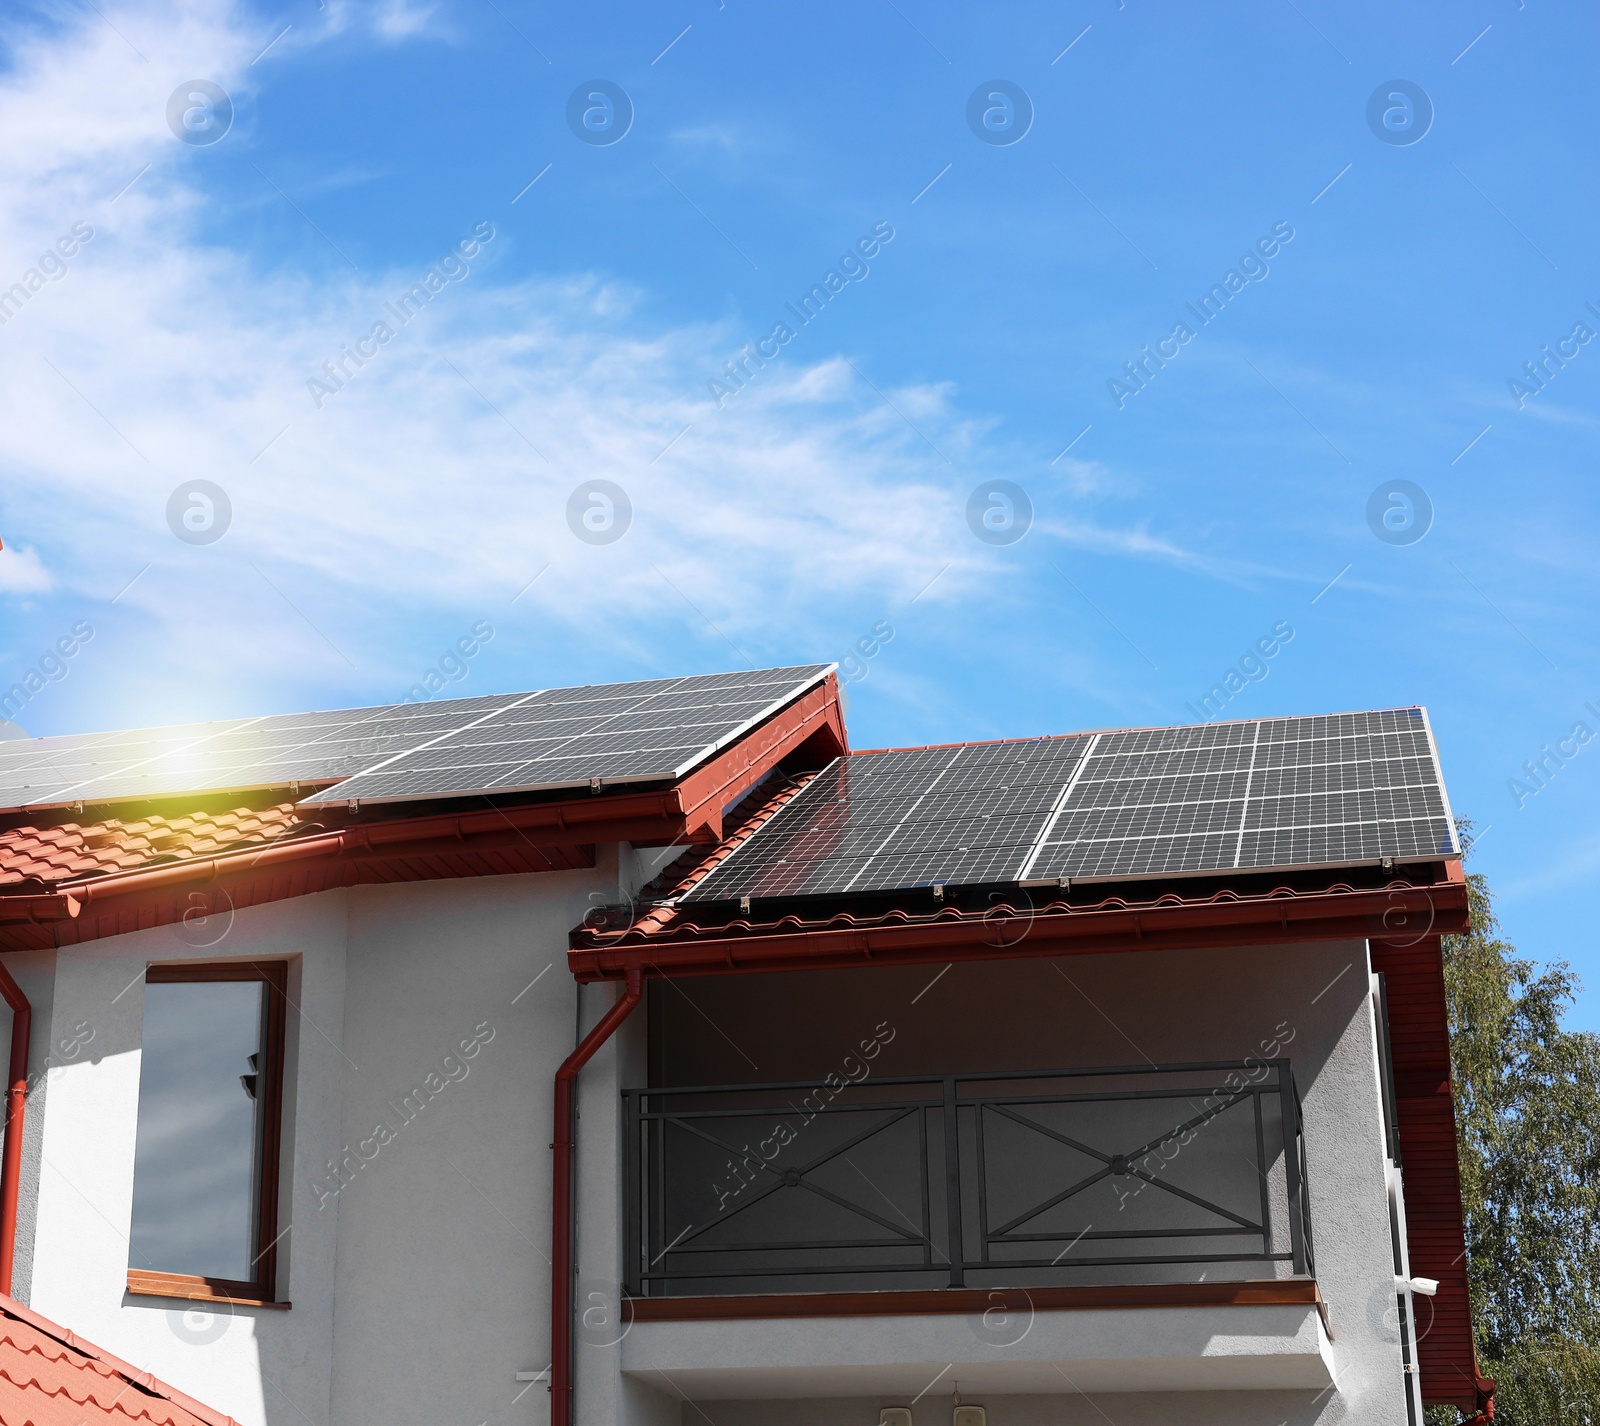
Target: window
(205,1167)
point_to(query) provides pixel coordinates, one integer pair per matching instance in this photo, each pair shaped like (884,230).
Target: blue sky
(828,500)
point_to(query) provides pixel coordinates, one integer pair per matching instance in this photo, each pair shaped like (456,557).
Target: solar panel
(566,737)
(235,754)
(1270,794)
(450,747)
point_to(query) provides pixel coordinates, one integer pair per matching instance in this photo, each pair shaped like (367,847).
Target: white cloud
(1137,541)
(1556,414)
(438,477)
(391,21)
(1576,867)
(399,20)
(22,572)
(1085,477)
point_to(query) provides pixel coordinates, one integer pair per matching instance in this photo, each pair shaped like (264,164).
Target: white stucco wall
(444,1240)
(258,1365)
(420,1289)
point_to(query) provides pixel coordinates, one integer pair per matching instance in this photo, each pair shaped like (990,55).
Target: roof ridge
(1141,728)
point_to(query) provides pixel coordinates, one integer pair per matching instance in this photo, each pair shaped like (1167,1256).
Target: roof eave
(688,812)
(1335,913)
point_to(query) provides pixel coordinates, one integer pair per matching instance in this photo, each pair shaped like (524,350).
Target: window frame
(262,1290)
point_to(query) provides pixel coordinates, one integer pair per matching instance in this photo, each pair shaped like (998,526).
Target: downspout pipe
(563,1218)
(16,1102)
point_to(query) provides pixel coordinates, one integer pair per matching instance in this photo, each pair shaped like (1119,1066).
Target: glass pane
(196,1167)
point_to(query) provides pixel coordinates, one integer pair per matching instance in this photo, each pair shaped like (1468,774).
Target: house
(641,1054)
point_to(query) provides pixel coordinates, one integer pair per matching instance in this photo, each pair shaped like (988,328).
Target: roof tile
(70,850)
(48,1377)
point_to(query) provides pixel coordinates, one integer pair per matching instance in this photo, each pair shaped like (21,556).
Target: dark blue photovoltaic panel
(1280,792)
(1272,793)
(228,755)
(448,747)
(875,821)
(566,737)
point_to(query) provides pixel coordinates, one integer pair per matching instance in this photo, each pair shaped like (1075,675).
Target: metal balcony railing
(1133,1174)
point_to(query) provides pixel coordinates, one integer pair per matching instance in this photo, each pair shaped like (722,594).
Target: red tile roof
(50,852)
(48,1377)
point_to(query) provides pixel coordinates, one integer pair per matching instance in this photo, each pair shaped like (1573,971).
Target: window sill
(200,1290)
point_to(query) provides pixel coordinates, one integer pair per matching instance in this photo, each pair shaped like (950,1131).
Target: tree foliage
(1528,1123)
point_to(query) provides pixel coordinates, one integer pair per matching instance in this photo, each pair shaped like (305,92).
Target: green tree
(1528,1124)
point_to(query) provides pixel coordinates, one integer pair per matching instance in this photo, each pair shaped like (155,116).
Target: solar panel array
(586,729)
(232,754)
(1269,794)
(565,737)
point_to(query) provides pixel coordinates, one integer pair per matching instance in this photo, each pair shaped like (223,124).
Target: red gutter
(563,1219)
(16,1102)
(51,906)
(1228,921)
(361,842)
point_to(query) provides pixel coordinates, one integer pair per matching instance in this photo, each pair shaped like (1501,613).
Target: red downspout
(562,1216)
(1485,1416)
(16,1102)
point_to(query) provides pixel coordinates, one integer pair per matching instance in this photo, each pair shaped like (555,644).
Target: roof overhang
(549,835)
(1401,909)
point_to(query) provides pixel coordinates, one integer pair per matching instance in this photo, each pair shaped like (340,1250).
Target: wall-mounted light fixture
(965,1415)
(1422,1286)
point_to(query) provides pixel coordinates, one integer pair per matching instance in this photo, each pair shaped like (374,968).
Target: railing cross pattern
(1110,1171)
(800,1172)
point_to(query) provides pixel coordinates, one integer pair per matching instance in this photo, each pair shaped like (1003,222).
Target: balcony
(1154,1174)
(858,1237)
(1037,1205)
